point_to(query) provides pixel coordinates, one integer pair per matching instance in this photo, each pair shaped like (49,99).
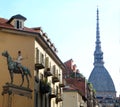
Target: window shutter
(54,69)
(41,58)
(37,55)
(47,65)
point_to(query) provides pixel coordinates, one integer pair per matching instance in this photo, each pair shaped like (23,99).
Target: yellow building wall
(13,43)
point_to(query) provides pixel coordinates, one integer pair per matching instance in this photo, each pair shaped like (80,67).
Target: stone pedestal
(10,90)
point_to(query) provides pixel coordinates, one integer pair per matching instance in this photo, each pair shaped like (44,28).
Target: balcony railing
(55,78)
(47,72)
(53,93)
(40,64)
(61,85)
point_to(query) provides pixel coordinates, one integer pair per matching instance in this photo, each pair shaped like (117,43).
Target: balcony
(44,87)
(61,85)
(52,94)
(39,60)
(47,72)
(39,66)
(55,78)
(59,98)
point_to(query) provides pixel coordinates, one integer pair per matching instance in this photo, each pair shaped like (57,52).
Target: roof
(76,84)
(70,88)
(18,16)
(4,24)
(101,80)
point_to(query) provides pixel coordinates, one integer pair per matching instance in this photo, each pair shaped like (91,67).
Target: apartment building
(44,88)
(48,75)
(73,97)
(77,91)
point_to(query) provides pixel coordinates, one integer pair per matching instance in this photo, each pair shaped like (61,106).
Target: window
(54,69)
(47,63)
(18,24)
(37,55)
(41,58)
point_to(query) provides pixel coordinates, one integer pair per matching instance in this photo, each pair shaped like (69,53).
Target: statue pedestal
(14,89)
(10,91)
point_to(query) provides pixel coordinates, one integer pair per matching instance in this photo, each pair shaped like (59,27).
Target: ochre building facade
(39,57)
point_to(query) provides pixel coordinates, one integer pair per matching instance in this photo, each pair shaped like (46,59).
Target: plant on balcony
(47,72)
(45,86)
(90,86)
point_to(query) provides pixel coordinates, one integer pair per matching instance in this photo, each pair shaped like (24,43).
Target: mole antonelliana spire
(100,77)
(98,54)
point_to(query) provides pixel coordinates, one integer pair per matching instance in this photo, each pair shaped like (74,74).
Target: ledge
(14,89)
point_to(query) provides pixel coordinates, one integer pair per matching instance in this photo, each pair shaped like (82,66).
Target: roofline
(16,31)
(18,16)
(41,41)
(50,51)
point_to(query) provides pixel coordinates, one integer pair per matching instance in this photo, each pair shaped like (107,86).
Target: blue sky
(71,26)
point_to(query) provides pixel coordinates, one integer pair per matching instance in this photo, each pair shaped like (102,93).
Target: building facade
(48,75)
(40,66)
(73,98)
(12,40)
(77,89)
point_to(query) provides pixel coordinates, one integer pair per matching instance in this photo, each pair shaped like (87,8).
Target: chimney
(74,68)
(69,64)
